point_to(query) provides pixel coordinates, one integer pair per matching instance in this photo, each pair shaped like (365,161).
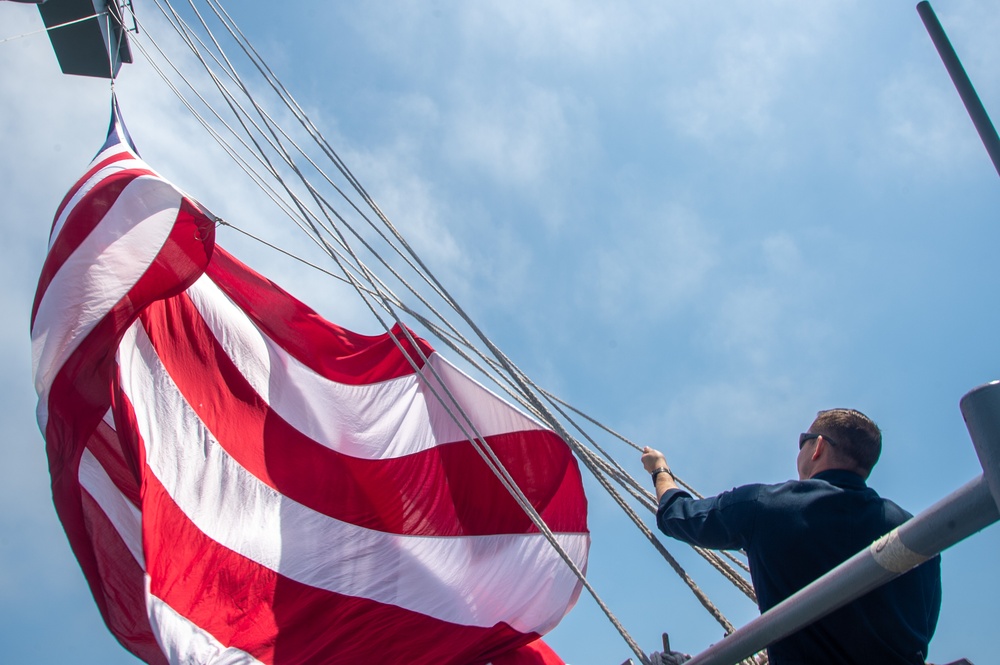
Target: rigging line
(114,18)
(269,124)
(270,128)
(711,556)
(487,453)
(54,27)
(293,105)
(317,138)
(275,143)
(376,254)
(215,134)
(351,278)
(442,292)
(735,559)
(648,501)
(646,498)
(497,467)
(314,164)
(258,179)
(669,558)
(596,465)
(300,175)
(542,528)
(618,436)
(715,558)
(231,102)
(614,471)
(623,476)
(227,147)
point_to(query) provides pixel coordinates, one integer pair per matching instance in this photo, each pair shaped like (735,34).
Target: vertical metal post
(987,132)
(981,410)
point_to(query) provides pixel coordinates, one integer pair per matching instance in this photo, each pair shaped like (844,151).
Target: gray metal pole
(987,132)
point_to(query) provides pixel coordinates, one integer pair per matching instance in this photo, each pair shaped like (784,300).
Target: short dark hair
(855,436)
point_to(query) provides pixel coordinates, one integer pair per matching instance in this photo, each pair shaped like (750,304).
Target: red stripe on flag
(94,168)
(535,653)
(122,585)
(81,222)
(444,491)
(107,448)
(329,350)
(278,620)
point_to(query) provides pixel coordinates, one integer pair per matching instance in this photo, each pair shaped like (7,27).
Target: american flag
(243,481)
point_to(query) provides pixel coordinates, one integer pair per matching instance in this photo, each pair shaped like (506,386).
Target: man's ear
(821,445)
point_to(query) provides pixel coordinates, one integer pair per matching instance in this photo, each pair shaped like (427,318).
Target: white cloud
(651,265)
(520,135)
(582,33)
(743,64)
(922,126)
(563,30)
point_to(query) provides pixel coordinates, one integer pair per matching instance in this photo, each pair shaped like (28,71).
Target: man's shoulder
(893,512)
(751,492)
(742,494)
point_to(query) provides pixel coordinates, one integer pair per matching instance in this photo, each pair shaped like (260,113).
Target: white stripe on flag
(360,421)
(184,643)
(122,514)
(96,276)
(97,177)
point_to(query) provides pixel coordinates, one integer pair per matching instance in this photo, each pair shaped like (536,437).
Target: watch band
(660,470)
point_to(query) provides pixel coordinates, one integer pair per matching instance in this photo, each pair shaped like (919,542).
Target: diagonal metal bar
(987,132)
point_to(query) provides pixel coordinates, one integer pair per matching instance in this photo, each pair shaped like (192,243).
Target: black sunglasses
(808,436)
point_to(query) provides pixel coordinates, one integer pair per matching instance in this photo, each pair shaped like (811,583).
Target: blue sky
(699,223)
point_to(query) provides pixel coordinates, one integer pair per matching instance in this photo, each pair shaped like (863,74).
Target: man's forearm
(663,482)
(656,464)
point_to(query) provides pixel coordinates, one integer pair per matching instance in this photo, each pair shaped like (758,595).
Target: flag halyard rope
(327,229)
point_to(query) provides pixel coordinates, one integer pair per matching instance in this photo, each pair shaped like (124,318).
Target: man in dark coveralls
(796,531)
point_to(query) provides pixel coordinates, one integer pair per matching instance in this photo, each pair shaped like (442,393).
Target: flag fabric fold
(243,481)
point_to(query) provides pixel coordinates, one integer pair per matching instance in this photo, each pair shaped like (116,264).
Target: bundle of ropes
(317,191)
